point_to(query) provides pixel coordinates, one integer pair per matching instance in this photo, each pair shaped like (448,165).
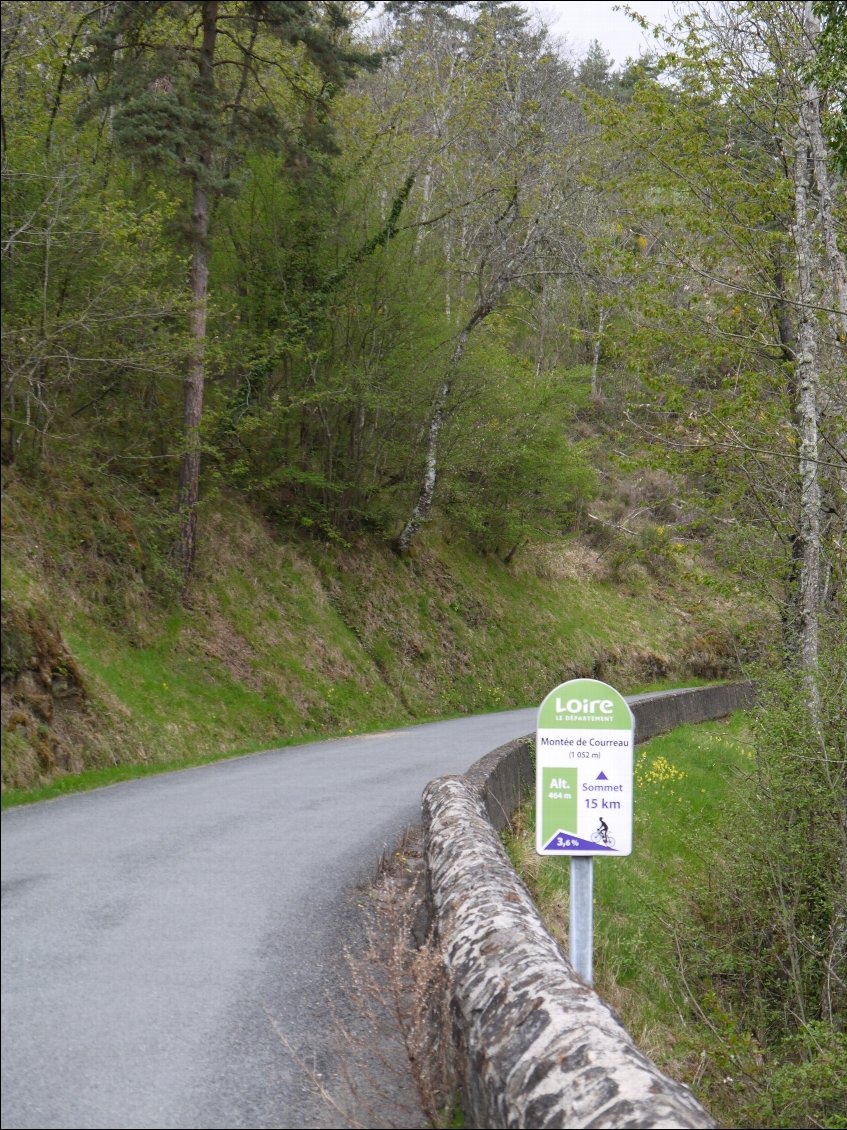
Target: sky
(581,21)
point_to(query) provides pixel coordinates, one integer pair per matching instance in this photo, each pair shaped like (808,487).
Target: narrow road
(169,943)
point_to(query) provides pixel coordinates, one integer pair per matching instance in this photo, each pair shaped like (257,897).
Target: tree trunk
(595,357)
(423,506)
(811,124)
(485,304)
(189,467)
(188,491)
(785,329)
(807,379)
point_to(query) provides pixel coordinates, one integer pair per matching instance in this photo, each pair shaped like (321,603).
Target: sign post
(583,791)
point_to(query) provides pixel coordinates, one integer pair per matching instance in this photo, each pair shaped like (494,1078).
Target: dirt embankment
(44,697)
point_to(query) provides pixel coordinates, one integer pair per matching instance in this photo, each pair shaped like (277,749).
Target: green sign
(585,704)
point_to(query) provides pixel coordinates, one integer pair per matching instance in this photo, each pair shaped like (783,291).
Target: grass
(113,774)
(128,771)
(672,947)
(644,903)
(291,641)
(100,778)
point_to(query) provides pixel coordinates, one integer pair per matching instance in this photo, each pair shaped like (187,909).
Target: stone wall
(537,1047)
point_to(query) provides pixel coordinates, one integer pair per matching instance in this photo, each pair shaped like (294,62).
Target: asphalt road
(169,943)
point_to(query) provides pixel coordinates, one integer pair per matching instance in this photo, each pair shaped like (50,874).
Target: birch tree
(745,211)
(508,163)
(742,223)
(792,31)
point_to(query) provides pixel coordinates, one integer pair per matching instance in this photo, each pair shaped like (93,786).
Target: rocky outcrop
(42,691)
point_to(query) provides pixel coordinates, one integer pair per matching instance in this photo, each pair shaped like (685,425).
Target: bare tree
(503,189)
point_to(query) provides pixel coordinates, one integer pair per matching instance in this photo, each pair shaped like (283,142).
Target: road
(169,942)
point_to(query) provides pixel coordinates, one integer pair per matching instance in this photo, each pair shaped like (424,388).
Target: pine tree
(190,86)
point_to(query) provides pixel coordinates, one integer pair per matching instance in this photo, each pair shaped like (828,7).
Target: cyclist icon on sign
(602,834)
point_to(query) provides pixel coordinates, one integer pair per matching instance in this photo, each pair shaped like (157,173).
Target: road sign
(584,771)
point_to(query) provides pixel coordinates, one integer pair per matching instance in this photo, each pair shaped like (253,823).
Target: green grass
(668,685)
(454,1119)
(101,778)
(666,955)
(113,774)
(128,771)
(289,641)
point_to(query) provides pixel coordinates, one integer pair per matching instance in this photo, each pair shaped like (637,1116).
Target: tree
(508,163)
(360,316)
(741,223)
(829,72)
(190,85)
(744,333)
(89,301)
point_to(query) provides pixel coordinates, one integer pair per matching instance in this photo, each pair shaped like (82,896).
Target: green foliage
(511,476)
(766,958)
(287,639)
(338,271)
(356,226)
(323,357)
(99,528)
(689,983)
(784,889)
(711,303)
(806,1089)
(651,547)
(91,287)
(682,782)
(169,107)
(105,336)
(830,74)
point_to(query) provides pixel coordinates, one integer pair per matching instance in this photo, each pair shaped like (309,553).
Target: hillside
(282,290)
(284,639)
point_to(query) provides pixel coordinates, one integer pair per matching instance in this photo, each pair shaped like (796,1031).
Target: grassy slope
(648,919)
(286,641)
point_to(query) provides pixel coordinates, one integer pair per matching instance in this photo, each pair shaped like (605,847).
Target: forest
(382,284)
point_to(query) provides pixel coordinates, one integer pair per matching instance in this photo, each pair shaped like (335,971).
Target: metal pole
(581,933)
